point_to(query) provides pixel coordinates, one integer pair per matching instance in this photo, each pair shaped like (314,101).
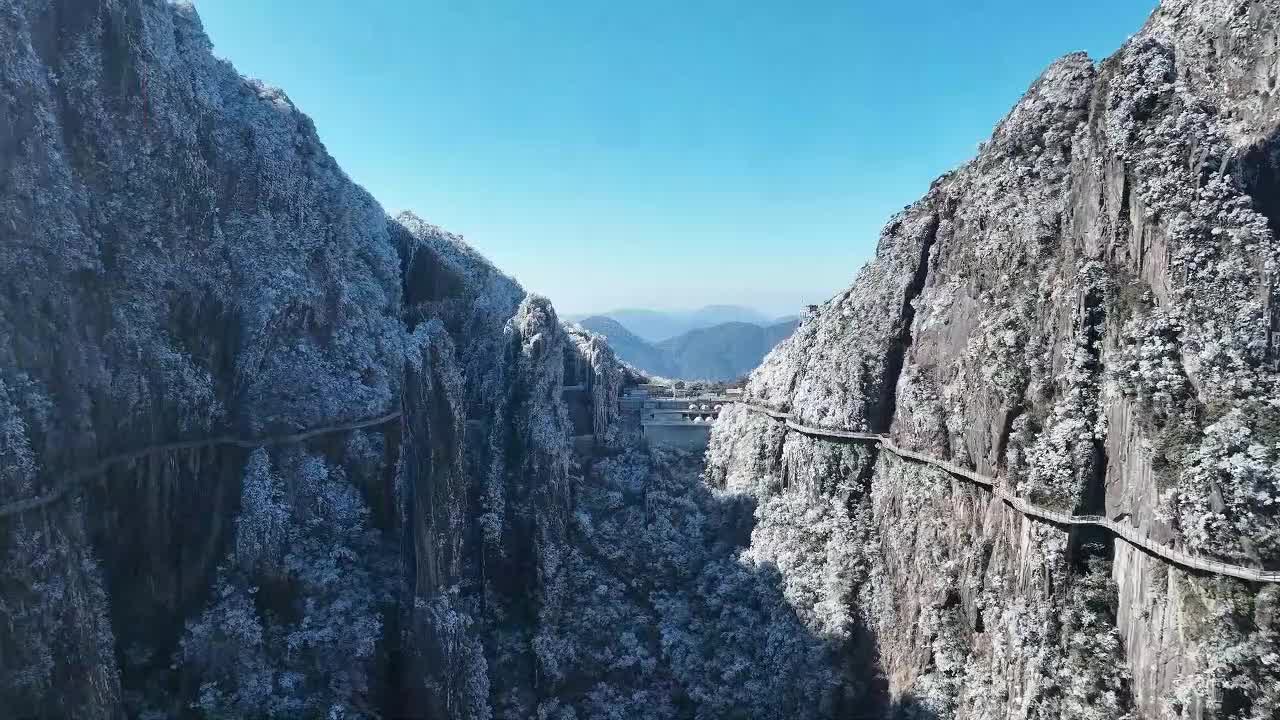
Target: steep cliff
(265,451)
(1086,311)
(196,304)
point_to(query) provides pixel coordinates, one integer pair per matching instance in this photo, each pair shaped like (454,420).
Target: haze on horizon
(659,156)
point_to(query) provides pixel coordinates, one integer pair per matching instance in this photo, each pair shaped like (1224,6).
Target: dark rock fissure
(1086,541)
(881,418)
(868,469)
(157,539)
(1123,228)
(778,454)
(1259,169)
(1006,429)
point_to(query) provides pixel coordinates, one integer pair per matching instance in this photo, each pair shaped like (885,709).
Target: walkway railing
(1126,532)
(77,477)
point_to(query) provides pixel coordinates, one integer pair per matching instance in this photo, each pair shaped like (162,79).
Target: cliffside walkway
(78,477)
(1123,531)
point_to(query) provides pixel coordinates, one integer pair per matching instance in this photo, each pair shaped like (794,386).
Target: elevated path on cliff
(1125,532)
(73,480)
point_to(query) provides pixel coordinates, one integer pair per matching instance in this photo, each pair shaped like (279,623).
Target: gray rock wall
(1084,310)
(180,258)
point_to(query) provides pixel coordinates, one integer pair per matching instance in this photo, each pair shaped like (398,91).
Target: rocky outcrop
(181,259)
(603,376)
(1085,310)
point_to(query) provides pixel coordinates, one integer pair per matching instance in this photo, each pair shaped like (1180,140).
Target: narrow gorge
(267,450)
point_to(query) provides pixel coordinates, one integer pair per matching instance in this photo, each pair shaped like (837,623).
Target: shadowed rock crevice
(159,529)
(880,417)
(1259,170)
(1006,430)
(1094,319)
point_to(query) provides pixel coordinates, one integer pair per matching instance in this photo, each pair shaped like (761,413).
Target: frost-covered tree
(1227,497)
(56,643)
(1061,459)
(671,619)
(297,610)
(1093,675)
(1239,675)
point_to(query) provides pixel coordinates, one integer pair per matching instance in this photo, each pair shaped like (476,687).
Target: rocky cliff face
(1085,310)
(182,260)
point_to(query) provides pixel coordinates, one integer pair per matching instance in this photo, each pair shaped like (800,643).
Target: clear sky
(655,153)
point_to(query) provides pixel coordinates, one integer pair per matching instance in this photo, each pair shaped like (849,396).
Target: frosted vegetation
(297,608)
(694,602)
(198,265)
(1084,311)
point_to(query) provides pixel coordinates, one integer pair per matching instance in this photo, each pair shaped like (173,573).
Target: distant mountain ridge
(721,352)
(630,347)
(658,325)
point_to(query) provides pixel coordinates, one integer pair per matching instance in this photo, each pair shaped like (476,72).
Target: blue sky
(659,154)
